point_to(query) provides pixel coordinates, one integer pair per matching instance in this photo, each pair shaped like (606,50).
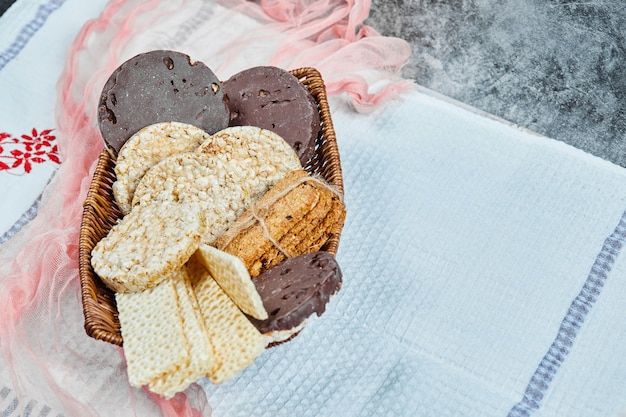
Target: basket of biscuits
(211,225)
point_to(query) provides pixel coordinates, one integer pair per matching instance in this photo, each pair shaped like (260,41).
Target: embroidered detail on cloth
(18,155)
(571,323)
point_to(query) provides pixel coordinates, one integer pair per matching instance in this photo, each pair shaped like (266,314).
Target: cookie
(298,215)
(159,86)
(280,210)
(294,290)
(324,221)
(145,149)
(274,99)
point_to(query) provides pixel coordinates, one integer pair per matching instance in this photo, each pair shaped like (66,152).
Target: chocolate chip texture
(273,99)
(160,86)
(295,289)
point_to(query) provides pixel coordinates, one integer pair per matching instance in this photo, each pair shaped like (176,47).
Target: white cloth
(32,56)
(468,254)
(483,273)
(34,37)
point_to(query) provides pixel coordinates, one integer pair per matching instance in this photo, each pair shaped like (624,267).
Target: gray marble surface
(557,67)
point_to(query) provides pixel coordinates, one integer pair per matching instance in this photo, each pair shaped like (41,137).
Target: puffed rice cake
(199,179)
(258,157)
(145,149)
(148,244)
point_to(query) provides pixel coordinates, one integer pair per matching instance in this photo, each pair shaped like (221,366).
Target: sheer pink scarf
(49,356)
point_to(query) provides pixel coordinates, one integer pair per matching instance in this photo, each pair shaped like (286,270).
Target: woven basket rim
(100,212)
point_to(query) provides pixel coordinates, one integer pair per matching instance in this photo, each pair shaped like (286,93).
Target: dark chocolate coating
(160,86)
(273,99)
(295,289)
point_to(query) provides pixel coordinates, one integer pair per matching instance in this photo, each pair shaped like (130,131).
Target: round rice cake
(147,245)
(258,157)
(145,149)
(195,178)
(159,86)
(274,99)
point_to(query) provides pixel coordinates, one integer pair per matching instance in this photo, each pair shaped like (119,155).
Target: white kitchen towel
(483,276)
(32,55)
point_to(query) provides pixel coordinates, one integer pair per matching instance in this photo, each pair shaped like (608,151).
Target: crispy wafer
(199,345)
(235,340)
(154,339)
(233,277)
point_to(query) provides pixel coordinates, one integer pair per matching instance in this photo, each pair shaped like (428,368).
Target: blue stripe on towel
(29,408)
(27,32)
(571,323)
(10,408)
(24,219)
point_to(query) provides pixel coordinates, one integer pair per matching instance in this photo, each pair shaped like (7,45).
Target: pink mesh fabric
(330,35)
(49,356)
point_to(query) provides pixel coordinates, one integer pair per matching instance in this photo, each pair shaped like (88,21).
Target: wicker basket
(100,213)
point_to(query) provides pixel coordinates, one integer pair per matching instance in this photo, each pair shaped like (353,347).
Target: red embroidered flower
(34,148)
(27,158)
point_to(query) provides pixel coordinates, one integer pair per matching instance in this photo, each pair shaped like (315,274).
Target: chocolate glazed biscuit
(295,289)
(273,99)
(160,86)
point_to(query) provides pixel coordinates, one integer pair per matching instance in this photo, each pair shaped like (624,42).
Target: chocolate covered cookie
(295,289)
(160,86)
(274,99)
